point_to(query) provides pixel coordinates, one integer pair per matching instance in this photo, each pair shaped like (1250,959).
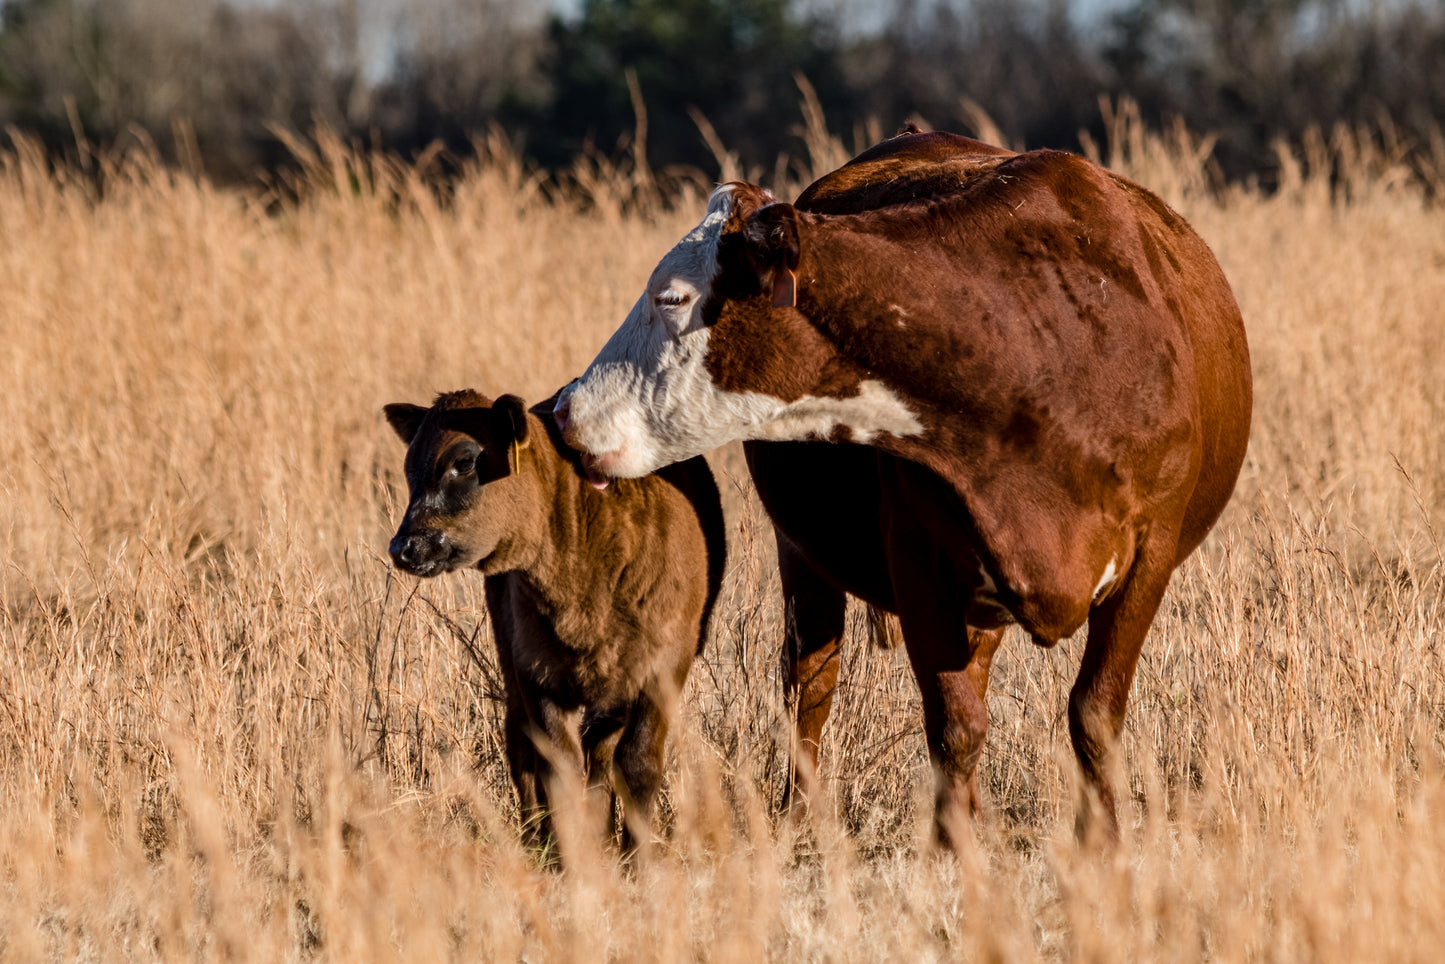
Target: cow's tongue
(595,478)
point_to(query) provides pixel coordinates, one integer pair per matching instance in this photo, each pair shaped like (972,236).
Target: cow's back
(824,497)
(910,167)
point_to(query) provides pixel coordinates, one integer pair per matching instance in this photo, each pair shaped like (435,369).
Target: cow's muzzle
(562,412)
(592,466)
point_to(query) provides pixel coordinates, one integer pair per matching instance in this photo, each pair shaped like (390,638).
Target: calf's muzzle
(420,552)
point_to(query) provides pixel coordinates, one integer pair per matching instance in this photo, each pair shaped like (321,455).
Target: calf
(599,600)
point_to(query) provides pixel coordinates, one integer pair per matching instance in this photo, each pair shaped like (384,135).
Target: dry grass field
(228,731)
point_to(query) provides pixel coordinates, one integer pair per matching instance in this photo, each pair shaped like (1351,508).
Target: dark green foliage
(408,75)
(733,60)
(1027,63)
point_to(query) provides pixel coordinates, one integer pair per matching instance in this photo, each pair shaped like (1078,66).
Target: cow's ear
(771,234)
(510,430)
(404,419)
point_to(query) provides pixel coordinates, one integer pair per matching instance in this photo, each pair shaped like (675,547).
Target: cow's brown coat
(599,600)
(1080,368)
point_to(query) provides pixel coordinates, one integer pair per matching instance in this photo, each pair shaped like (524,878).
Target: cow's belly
(828,501)
(1052,564)
(824,499)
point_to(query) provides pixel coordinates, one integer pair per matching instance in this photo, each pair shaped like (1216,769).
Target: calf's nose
(413,550)
(398,549)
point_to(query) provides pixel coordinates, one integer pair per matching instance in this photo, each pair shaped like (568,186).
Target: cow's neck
(881,341)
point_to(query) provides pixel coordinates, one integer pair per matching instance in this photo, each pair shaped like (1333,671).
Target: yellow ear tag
(514,457)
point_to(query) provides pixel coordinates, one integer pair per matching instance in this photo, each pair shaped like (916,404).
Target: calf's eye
(670,299)
(464,466)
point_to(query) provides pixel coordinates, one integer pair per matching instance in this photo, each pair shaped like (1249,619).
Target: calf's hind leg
(639,759)
(812,634)
(600,735)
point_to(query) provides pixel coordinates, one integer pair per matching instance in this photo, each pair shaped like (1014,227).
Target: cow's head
(470,499)
(710,353)
(714,351)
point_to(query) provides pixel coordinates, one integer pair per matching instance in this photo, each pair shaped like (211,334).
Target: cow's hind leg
(812,635)
(1117,627)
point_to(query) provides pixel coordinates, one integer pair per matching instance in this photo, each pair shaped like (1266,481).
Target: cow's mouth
(592,471)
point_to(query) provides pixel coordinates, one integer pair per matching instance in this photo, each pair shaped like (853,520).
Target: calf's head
(469,503)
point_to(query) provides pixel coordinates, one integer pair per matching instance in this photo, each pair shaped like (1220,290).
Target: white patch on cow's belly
(1111,573)
(872,412)
(985,604)
(986,585)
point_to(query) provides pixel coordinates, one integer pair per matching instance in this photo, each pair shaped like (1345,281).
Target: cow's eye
(464,466)
(671,299)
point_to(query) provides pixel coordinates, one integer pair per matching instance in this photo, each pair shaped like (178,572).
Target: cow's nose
(561,411)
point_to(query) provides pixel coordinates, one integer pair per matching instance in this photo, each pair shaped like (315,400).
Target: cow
(1047,362)
(599,601)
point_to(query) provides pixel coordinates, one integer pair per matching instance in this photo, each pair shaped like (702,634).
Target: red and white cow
(1048,360)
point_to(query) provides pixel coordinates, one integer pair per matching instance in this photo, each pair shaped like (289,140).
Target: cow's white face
(648,400)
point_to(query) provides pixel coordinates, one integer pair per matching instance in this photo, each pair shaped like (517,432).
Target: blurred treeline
(217,83)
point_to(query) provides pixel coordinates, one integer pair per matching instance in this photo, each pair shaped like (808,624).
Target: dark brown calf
(599,600)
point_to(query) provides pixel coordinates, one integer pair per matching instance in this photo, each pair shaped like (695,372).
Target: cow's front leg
(812,634)
(932,570)
(951,664)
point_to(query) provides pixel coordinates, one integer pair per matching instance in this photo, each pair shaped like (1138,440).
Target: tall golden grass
(229,732)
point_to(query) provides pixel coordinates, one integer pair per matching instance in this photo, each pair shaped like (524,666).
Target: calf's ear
(771,234)
(509,428)
(405,419)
